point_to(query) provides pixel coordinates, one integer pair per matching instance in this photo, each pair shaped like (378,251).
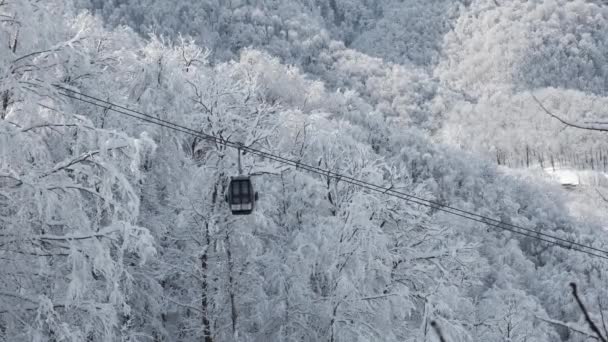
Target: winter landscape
(425,170)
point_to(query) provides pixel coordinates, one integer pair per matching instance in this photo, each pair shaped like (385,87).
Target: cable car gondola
(241,197)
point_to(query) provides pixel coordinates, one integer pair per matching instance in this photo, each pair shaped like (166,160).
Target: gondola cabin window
(241,196)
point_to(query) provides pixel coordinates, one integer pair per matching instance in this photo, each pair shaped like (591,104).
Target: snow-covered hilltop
(116,229)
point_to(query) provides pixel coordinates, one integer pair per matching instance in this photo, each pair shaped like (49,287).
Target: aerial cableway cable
(531,233)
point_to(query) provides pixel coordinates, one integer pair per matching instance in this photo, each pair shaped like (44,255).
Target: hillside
(113,228)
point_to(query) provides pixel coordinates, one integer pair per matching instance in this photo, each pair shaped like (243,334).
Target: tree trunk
(232,286)
(332,323)
(205,289)
(5,100)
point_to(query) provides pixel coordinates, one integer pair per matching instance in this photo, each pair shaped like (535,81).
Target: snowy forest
(117,229)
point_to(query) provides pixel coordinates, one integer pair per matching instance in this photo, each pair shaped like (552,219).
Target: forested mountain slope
(116,229)
(480,61)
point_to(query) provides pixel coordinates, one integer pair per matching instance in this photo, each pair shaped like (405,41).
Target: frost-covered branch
(592,325)
(17,296)
(566,122)
(74,236)
(192,307)
(83,157)
(47,126)
(601,307)
(569,326)
(55,305)
(602,196)
(438,331)
(13,177)
(33,54)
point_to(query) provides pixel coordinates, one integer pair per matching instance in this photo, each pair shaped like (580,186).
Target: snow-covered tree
(112,228)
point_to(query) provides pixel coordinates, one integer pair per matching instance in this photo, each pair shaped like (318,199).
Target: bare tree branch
(568,326)
(438,331)
(79,159)
(568,123)
(13,177)
(187,306)
(48,125)
(592,325)
(602,195)
(34,54)
(596,122)
(17,296)
(599,303)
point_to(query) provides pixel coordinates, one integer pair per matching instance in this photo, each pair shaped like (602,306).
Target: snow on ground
(587,192)
(571,177)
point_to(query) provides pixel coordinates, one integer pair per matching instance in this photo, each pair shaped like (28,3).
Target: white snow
(571,177)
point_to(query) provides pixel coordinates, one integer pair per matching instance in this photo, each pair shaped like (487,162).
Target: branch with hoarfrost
(183,270)
(79,159)
(37,303)
(17,296)
(383,296)
(438,331)
(13,177)
(599,303)
(34,54)
(568,123)
(188,306)
(592,325)
(570,326)
(42,255)
(596,122)
(352,300)
(602,196)
(70,237)
(75,237)
(49,125)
